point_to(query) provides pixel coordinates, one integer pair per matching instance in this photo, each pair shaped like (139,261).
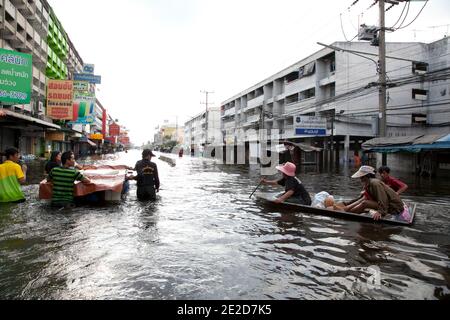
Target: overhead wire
(403,27)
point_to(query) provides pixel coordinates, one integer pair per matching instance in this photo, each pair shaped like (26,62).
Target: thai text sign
(114,130)
(15,77)
(96,136)
(60,99)
(54,136)
(87,77)
(310,126)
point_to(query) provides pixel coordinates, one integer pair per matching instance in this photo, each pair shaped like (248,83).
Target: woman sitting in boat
(294,189)
(377,196)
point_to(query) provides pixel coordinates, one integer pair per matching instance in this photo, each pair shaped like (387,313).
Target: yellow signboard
(96,136)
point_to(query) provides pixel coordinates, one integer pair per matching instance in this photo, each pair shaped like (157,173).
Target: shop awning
(304,147)
(92,144)
(408,144)
(89,142)
(6,114)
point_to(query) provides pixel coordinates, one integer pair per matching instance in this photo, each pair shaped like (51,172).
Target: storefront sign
(114,130)
(15,77)
(54,136)
(96,136)
(124,140)
(88,69)
(87,77)
(310,126)
(60,99)
(83,103)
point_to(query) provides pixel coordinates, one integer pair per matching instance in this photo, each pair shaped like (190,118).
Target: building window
(333,65)
(292,98)
(291,76)
(419,67)
(332,90)
(419,94)
(419,118)
(310,93)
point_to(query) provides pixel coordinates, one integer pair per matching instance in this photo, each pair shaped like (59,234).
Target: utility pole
(206,114)
(382,77)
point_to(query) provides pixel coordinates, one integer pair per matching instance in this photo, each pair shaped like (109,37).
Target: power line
(415,17)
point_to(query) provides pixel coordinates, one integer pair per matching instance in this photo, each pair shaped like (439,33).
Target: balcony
(258,101)
(327,80)
(45,16)
(24,7)
(229,125)
(36,22)
(38,6)
(229,112)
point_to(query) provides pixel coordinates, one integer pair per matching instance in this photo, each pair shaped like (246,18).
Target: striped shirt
(63,183)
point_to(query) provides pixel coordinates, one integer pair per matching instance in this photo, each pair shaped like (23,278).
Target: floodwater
(205,239)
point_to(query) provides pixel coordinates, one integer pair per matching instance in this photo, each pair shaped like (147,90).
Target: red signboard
(124,140)
(114,130)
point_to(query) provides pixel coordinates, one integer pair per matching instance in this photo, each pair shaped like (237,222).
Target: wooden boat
(108,185)
(269,197)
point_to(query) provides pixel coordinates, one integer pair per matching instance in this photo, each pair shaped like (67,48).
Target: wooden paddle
(255,189)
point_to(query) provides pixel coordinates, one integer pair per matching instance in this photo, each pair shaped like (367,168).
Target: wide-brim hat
(363,171)
(288,169)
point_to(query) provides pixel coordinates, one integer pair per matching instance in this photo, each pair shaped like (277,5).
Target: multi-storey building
(31,26)
(341,88)
(203,129)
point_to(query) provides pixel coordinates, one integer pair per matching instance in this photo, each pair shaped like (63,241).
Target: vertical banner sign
(83,103)
(114,130)
(60,99)
(15,77)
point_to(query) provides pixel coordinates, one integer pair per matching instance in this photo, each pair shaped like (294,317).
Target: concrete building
(341,89)
(31,26)
(203,130)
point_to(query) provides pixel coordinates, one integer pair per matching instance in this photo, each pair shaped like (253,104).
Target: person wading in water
(147,177)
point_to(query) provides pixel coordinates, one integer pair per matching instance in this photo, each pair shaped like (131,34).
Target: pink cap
(288,169)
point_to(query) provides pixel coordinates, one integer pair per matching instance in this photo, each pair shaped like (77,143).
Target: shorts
(146,193)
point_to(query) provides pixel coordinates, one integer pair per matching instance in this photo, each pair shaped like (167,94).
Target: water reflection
(205,239)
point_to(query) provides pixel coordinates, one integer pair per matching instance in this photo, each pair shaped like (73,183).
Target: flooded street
(205,239)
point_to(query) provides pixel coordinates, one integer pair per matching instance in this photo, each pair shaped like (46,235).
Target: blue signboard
(311,132)
(87,77)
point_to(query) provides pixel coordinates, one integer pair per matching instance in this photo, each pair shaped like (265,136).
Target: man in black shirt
(147,177)
(294,189)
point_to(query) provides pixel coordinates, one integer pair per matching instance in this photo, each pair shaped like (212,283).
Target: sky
(156,56)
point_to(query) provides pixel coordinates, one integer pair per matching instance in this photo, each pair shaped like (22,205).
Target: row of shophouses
(31,27)
(330,100)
